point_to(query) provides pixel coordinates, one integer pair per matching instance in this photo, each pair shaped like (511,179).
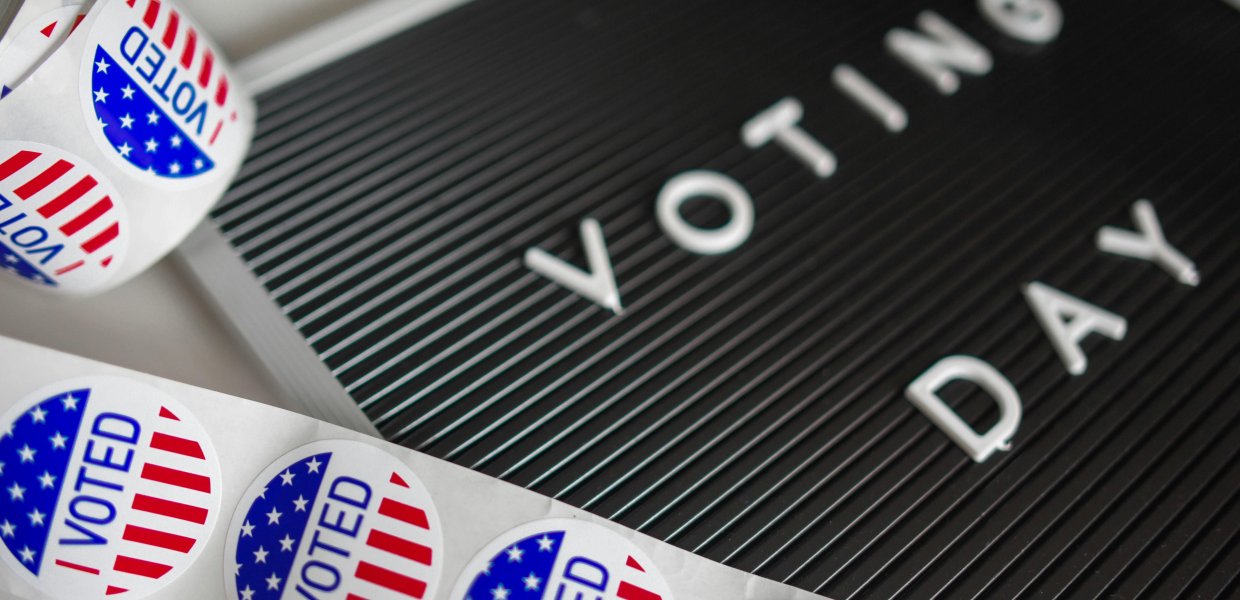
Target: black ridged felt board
(749,406)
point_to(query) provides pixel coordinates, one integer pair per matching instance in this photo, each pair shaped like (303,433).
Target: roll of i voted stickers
(37,29)
(62,224)
(557,559)
(108,488)
(140,98)
(335,519)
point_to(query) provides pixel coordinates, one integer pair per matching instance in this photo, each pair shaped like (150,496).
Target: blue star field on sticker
(139,131)
(520,571)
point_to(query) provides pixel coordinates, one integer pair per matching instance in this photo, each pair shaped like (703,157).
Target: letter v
(599,285)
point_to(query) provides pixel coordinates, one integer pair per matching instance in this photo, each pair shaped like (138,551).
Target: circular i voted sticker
(155,96)
(335,518)
(61,223)
(553,559)
(108,488)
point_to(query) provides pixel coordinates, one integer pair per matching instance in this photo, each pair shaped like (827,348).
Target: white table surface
(158,322)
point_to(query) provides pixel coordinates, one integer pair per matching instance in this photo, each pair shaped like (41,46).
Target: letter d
(923,393)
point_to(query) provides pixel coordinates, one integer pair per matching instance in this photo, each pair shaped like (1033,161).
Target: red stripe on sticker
(107,261)
(403,512)
(47,31)
(402,584)
(70,196)
(399,546)
(177,477)
(170,34)
(102,239)
(159,539)
(142,568)
(216,133)
(63,270)
(396,479)
(208,62)
(44,179)
(629,591)
(87,217)
(16,162)
(176,445)
(77,567)
(632,563)
(152,13)
(221,93)
(115,590)
(167,414)
(191,44)
(169,508)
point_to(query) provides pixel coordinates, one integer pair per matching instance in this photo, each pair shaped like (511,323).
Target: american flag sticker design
(157,93)
(61,223)
(335,519)
(561,559)
(108,488)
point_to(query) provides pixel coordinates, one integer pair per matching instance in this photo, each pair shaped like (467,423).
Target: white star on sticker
(127,121)
(299,505)
(10,258)
(1,467)
(36,517)
(499,593)
(26,453)
(314,464)
(152,145)
(514,554)
(47,480)
(174,168)
(125,149)
(247,530)
(286,478)
(69,403)
(273,517)
(273,582)
(101,96)
(247,593)
(58,441)
(198,167)
(175,141)
(7,529)
(152,118)
(487,570)
(102,66)
(286,543)
(8,429)
(263,494)
(532,582)
(27,554)
(38,415)
(127,92)
(545,543)
(260,555)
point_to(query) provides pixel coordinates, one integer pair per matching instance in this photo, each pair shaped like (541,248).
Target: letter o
(1033,21)
(86,514)
(692,184)
(321,567)
(185,92)
(39,237)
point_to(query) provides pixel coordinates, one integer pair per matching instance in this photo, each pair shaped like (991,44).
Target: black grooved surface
(749,406)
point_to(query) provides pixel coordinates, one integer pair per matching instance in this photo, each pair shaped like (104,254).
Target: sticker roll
(117,143)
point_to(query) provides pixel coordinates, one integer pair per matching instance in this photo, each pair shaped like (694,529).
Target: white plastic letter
(931,56)
(1050,306)
(1033,21)
(923,393)
(692,184)
(870,97)
(1148,243)
(599,285)
(779,123)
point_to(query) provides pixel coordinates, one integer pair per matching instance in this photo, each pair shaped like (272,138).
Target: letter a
(1051,305)
(923,393)
(599,285)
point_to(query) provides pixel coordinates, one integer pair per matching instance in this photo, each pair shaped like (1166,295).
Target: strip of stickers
(120,126)
(115,484)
